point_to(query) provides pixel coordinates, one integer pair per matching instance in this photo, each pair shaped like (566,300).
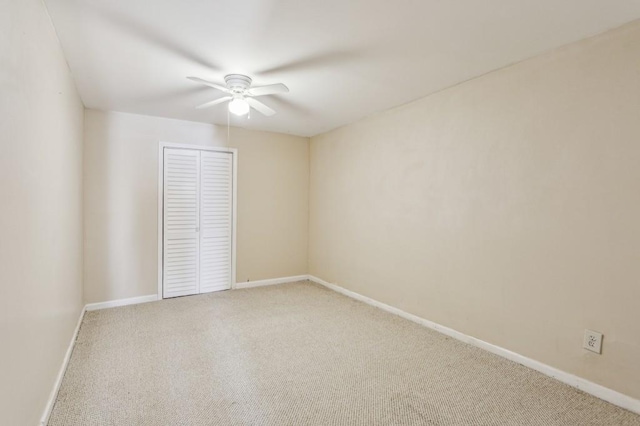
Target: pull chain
(228,129)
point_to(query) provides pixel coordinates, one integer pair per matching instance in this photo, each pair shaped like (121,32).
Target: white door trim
(234,155)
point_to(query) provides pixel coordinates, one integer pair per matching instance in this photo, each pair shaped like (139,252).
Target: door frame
(234,206)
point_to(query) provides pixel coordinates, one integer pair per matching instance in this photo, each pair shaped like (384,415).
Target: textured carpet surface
(298,354)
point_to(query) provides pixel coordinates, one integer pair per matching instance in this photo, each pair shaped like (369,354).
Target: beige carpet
(298,354)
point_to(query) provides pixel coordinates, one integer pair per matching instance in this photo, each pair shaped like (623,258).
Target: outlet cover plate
(592,341)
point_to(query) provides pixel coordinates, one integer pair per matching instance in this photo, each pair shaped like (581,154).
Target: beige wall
(121,189)
(507,208)
(41,210)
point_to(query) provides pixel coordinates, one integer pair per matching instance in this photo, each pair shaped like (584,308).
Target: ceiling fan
(241,95)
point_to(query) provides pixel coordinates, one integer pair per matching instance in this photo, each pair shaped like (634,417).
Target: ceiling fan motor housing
(238,83)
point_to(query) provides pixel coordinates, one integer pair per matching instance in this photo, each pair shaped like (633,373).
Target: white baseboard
(584,385)
(121,302)
(272,281)
(65,361)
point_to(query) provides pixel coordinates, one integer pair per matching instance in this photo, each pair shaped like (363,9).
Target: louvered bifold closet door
(181,222)
(216,203)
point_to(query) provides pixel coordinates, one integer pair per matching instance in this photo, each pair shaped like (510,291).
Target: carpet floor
(298,354)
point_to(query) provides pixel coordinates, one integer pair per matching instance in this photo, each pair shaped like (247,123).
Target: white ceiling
(342,59)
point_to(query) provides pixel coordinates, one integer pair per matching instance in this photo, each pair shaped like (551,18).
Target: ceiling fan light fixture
(241,94)
(238,106)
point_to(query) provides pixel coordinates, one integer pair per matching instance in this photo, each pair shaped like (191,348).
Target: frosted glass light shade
(238,107)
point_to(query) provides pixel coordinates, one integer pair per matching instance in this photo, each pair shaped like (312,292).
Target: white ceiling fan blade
(214,102)
(208,83)
(270,89)
(260,107)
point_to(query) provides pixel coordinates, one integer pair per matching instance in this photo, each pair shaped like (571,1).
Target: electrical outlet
(592,341)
